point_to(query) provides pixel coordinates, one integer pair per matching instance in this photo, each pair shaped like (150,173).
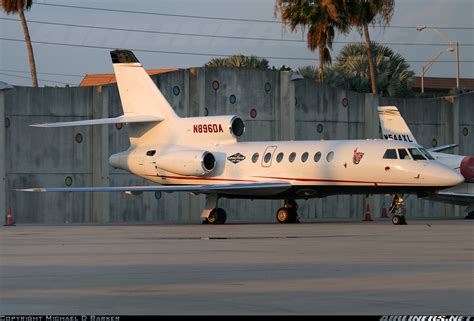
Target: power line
(189,53)
(215,36)
(42,73)
(207,17)
(57,82)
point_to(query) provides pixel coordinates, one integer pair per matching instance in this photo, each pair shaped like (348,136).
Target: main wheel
(217,216)
(470,216)
(396,219)
(283,215)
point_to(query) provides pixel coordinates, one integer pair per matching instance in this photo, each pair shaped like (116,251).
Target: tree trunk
(368,47)
(31,57)
(321,63)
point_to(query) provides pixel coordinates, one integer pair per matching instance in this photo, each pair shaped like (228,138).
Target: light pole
(425,68)
(450,43)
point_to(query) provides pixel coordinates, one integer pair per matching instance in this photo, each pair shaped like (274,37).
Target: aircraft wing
(442,148)
(258,189)
(463,199)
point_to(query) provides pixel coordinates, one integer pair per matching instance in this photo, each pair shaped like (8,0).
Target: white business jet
(201,155)
(394,127)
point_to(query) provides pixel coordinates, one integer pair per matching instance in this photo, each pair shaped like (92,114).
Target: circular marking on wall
(68,181)
(206,112)
(434,142)
(119,126)
(215,85)
(232,99)
(465,131)
(268,87)
(158,195)
(7,122)
(176,90)
(345,102)
(320,128)
(253,113)
(78,138)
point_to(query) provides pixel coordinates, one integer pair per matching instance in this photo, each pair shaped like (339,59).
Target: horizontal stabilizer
(235,189)
(105,121)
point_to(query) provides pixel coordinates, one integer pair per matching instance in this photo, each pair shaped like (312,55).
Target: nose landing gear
(397,209)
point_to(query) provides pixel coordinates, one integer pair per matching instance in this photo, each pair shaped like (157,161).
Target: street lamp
(426,67)
(450,43)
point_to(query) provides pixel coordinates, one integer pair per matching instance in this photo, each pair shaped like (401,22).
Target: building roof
(443,84)
(105,79)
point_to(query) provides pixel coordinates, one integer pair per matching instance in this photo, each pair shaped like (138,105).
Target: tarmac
(317,268)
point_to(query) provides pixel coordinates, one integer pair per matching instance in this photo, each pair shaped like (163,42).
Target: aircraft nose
(449,177)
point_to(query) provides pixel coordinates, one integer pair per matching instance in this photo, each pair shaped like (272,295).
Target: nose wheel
(288,213)
(397,209)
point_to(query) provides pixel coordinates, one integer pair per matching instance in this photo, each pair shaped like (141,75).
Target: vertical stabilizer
(139,95)
(393,125)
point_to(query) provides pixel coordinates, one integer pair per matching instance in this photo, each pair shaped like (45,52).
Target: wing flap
(261,189)
(104,121)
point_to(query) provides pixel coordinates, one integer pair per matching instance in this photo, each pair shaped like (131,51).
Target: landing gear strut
(211,213)
(397,209)
(288,213)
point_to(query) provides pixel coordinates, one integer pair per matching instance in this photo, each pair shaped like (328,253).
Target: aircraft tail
(393,125)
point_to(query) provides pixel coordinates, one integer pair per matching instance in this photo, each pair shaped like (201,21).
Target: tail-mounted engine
(187,163)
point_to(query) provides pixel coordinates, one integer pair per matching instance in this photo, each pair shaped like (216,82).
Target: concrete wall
(286,109)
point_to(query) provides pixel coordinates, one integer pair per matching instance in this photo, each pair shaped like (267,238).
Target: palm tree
(350,71)
(19,6)
(239,61)
(321,18)
(364,12)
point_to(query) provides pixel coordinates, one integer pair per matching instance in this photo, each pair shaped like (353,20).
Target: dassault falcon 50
(201,155)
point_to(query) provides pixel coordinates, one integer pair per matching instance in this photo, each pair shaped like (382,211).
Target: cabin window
(304,157)
(390,154)
(255,158)
(267,157)
(330,156)
(151,153)
(292,157)
(403,154)
(416,154)
(317,157)
(427,154)
(279,157)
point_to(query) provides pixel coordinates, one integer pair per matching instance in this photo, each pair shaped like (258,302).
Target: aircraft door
(268,156)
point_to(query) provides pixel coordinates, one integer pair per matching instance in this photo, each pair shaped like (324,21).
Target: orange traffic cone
(384,211)
(368,216)
(9,220)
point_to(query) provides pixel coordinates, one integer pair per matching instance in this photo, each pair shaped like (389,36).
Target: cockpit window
(416,154)
(427,154)
(403,154)
(390,154)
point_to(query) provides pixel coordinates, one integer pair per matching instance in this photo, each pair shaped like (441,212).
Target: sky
(52,24)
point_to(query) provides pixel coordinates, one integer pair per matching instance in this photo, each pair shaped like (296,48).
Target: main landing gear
(211,213)
(288,213)
(397,209)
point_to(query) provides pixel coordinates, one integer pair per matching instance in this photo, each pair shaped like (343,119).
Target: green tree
(351,71)
(364,12)
(321,18)
(19,7)
(239,61)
